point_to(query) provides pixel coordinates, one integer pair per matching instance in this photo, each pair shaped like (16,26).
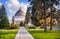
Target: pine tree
(28,15)
(4,22)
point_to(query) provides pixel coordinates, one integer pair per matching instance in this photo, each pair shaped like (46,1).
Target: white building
(18,17)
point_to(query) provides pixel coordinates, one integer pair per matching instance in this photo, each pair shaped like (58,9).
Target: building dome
(20,12)
(18,17)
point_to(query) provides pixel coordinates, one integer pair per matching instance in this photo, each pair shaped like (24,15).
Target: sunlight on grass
(40,34)
(8,34)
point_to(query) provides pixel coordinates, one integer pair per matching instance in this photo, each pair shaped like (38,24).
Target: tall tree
(38,10)
(28,15)
(4,22)
(58,18)
(42,6)
(53,9)
(13,20)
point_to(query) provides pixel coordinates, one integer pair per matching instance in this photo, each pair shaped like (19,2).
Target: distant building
(10,21)
(18,17)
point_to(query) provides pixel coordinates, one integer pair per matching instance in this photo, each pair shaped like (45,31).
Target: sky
(12,6)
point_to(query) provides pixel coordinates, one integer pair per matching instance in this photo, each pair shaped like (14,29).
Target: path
(23,34)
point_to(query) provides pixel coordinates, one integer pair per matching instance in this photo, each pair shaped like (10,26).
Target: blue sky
(12,6)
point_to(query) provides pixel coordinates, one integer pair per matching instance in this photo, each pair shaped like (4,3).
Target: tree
(58,17)
(42,6)
(22,23)
(53,9)
(4,22)
(28,15)
(13,20)
(38,10)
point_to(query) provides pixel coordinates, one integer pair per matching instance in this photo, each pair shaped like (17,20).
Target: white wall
(18,19)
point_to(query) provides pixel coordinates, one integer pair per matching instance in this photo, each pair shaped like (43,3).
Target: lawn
(40,34)
(8,34)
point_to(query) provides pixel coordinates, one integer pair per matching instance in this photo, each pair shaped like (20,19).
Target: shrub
(4,26)
(22,23)
(14,26)
(42,26)
(32,27)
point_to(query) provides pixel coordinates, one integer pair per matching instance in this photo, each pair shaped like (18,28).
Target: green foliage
(58,17)
(4,22)
(22,23)
(13,20)
(31,27)
(13,26)
(40,8)
(28,16)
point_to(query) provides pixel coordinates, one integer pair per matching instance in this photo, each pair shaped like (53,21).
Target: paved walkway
(23,34)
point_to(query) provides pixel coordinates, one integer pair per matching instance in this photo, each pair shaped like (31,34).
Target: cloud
(56,6)
(24,6)
(0,4)
(13,5)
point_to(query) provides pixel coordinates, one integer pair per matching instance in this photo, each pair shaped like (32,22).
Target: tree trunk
(51,20)
(45,27)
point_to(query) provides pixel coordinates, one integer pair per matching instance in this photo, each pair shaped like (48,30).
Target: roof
(19,12)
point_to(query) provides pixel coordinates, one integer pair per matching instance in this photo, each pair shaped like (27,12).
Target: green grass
(8,34)
(40,34)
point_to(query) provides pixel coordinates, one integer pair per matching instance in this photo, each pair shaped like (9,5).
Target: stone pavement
(23,34)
